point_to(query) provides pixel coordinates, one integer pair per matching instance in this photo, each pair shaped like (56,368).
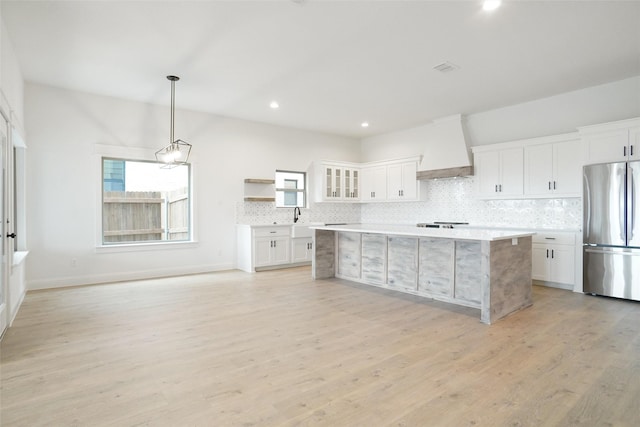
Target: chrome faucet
(296,214)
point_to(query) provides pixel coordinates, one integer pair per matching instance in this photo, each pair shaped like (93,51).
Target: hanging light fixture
(177,152)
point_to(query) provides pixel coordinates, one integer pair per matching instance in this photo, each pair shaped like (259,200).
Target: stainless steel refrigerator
(611,230)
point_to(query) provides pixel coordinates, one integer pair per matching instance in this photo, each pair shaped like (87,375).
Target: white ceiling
(330,64)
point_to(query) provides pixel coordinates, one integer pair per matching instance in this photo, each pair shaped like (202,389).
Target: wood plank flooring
(278,349)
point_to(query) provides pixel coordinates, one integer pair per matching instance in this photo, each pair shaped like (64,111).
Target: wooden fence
(138,216)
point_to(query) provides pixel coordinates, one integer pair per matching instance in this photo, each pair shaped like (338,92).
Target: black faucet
(296,214)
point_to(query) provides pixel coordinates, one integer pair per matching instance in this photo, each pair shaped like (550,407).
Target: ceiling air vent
(446,67)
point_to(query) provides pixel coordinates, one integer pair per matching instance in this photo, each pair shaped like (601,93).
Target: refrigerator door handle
(622,210)
(611,252)
(632,209)
(587,208)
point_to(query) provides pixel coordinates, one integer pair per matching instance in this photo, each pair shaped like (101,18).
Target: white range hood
(446,152)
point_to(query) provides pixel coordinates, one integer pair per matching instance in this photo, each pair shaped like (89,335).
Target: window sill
(142,247)
(19,257)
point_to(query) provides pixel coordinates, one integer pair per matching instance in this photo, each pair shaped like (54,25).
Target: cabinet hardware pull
(631,150)
(547,253)
(500,188)
(496,188)
(549,184)
(624,151)
(551,253)
(550,238)
(554,185)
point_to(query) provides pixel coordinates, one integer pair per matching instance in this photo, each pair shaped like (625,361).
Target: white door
(512,176)
(262,251)
(538,169)
(567,167)
(488,172)
(540,262)
(4,294)
(280,251)
(562,264)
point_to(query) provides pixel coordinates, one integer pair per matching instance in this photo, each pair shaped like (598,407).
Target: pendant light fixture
(177,152)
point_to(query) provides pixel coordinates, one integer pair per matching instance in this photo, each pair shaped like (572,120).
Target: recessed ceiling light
(490,5)
(274,105)
(365,125)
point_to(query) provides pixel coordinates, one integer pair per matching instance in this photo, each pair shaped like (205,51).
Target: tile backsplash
(446,200)
(258,213)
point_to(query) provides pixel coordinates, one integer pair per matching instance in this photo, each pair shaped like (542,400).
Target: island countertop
(445,233)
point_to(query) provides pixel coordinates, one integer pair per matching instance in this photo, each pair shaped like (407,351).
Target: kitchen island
(485,269)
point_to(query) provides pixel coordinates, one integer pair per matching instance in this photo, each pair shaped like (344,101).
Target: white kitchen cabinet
(554,259)
(301,249)
(335,182)
(391,181)
(499,173)
(611,142)
(374,184)
(553,169)
(263,246)
(271,251)
(402,183)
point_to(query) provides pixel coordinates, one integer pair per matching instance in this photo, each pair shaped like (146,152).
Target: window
(290,189)
(142,202)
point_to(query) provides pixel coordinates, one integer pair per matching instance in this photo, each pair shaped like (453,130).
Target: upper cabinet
(391,181)
(611,142)
(384,181)
(545,167)
(335,182)
(402,183)
(374,183)
(553,169)
(499,172)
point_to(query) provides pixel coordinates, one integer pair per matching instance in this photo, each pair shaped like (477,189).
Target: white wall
(63,179)
(548,116)
(11,105)
(11,82)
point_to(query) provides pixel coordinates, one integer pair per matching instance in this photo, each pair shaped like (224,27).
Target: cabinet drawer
(272,231)
(554,238)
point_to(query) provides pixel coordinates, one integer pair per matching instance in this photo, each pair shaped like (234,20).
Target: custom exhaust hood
(446,153)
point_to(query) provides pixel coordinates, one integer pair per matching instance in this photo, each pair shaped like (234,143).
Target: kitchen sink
(302,230)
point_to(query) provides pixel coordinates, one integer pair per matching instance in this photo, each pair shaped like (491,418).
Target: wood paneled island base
(489,270)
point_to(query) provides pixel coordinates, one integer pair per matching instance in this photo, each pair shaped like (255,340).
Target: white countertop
(445,233)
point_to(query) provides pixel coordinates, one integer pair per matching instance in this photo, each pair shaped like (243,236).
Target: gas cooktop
(440,224)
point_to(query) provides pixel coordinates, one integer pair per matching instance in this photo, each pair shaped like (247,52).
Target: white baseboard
(92,279)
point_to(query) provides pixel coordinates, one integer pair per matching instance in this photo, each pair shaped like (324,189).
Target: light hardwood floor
(277,348)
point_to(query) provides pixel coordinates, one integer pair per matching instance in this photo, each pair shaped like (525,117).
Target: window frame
(286,190)
(135,154)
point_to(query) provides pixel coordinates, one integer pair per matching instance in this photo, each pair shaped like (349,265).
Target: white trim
(549,139)
(93,279)
(135,154)
(141,247)
(19,257)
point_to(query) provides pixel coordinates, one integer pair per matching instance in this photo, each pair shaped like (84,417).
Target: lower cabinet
(271,251)
(443,269)
(301,249)
(374,258)
(263,246)
(468,264)
(554,259)
(435,274)
(349,255)
(402,262)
